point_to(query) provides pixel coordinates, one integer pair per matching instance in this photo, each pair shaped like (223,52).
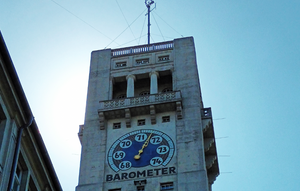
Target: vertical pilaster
(153,84)
(130,85)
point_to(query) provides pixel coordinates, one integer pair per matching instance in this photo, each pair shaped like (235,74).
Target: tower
(145,125)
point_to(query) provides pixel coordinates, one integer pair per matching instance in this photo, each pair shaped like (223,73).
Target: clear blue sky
(248,55)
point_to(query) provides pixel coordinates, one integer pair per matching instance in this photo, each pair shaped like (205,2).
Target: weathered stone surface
(175,65)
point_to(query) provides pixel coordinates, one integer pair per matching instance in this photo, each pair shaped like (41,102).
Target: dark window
(143,93)
(165,119)
(2,114)
(140,188)
(120,64)
(17,179)
(142,61)
(117,126)
(117,189)
(119,88)
(31,186)
(163,58)
(141,122)
(167,90)
(121,96)
(167,186)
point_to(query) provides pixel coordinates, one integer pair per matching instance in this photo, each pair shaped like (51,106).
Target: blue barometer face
(140,148)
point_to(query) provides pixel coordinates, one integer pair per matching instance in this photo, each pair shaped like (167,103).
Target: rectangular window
(142,61)
(2,126)
(2,114)
(165,119)
(163,58)
(167,186)
(117,126)
(117,189)
(140,182)
(140,188)
(141,122)
(31,186)
(17,179)
(121,64)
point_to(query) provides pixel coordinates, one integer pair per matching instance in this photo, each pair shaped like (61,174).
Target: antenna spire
(148,5)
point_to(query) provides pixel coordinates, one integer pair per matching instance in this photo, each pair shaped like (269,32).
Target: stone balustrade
(142,48)
(140,101)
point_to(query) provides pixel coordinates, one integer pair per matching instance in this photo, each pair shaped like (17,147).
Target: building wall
(100,141)
(191,170)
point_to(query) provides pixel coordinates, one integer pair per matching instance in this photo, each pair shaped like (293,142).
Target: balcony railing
(140,101)
(142,48)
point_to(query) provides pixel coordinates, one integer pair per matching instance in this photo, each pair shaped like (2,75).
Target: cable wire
(169,25)
(81,20)
(126,20)
(142,31)
(152,39)
(164,36)
(158,27)
(130,41)
(125,29)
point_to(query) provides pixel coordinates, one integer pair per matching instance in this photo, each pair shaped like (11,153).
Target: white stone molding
(178,110)
(112,80)
(142,48)
(128,118)
(130,85)
(173,96)
(206,124)
(208,143)
(210,160)
(152,114)
(153,84)
(101,120)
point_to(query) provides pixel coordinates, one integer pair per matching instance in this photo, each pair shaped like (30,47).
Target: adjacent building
(146,127)
(24,161)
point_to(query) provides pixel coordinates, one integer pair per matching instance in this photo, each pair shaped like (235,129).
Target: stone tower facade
(145,125)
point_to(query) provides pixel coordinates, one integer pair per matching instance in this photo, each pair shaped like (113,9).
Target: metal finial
(148,4)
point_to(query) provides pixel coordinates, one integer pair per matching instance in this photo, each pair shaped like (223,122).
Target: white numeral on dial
(119,155)
(140,137)
(125,165)
(125,144)
(156,161)
(162,149)
(155,140)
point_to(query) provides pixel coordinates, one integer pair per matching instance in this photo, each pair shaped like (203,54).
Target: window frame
(144,93)
(121,64)
(142,61)
(166,90)
(17,178)
(140,188)
(117,125)
(165,119)
(121,96)
(167,186)
(163,58)
(141,122)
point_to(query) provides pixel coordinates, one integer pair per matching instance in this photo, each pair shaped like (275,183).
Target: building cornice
(19,99)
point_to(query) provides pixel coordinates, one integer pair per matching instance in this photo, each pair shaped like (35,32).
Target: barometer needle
(141,150)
